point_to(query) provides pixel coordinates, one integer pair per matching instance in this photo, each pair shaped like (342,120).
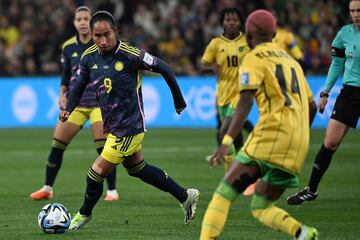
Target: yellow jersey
(228,54)
(281,135)
(286,40)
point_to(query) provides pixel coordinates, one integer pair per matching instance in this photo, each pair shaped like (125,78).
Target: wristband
(227,140)
(324,94)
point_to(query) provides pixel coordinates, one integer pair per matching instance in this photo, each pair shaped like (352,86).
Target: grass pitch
(146,213)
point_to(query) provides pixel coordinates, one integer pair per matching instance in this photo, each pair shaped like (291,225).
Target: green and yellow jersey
(286,40)
(281,136)
(228,54)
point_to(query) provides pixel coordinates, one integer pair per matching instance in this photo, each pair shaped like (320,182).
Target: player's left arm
(242,110)
(155,64)
(294,48)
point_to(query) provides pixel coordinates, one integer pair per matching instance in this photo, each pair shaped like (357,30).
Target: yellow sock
(215,217)
(217,211)
(277,219)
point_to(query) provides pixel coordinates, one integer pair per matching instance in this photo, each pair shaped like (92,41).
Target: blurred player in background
(113,69)
(87,109)
(286,40)
(224,54)
(277,147)
(346,112)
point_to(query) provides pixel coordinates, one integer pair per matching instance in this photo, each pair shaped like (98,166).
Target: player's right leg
(188,198)
(236,180)
(100,139)
(64,132)
(94,189)
(127,150)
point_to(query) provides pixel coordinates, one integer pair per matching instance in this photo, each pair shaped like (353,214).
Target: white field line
(170,149)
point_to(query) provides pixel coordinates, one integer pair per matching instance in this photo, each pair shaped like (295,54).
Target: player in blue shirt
(86,109)
(346,112)
(112,69)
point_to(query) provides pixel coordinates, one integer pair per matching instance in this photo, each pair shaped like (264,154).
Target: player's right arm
(336,68)
(65,79)
(82,78)
(208,59)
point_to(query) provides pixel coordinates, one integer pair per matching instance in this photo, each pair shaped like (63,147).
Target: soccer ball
(54,218)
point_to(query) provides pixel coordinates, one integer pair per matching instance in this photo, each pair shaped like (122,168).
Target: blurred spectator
(31,31)
(4,61)
(8,31)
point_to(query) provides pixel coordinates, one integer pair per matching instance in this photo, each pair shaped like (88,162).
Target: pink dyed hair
(261,23)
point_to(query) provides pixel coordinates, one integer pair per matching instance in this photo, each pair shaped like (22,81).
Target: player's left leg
(236,180)
(263,205)
(137,167)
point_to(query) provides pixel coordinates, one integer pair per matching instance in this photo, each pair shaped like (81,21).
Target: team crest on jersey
(119,66)
(241,49)
(95,66)
(74,54)
(244,78)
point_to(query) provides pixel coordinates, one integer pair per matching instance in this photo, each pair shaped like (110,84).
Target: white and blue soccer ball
(54,218)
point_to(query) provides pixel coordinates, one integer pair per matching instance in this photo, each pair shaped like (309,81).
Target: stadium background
(31,33)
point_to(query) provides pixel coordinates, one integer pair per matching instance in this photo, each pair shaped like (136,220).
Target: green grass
(152,214)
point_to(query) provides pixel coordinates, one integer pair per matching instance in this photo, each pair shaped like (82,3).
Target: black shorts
(347,106)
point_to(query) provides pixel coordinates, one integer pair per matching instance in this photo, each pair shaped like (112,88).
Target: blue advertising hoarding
(32,102)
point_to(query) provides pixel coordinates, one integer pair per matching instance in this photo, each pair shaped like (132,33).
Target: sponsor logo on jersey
(95,66)
(74,55)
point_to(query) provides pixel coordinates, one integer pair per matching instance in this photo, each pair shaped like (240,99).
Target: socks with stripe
(54,161)
(321,164)
(111,178)
(94,190)
(158,178)
(276,218)
(217,211)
